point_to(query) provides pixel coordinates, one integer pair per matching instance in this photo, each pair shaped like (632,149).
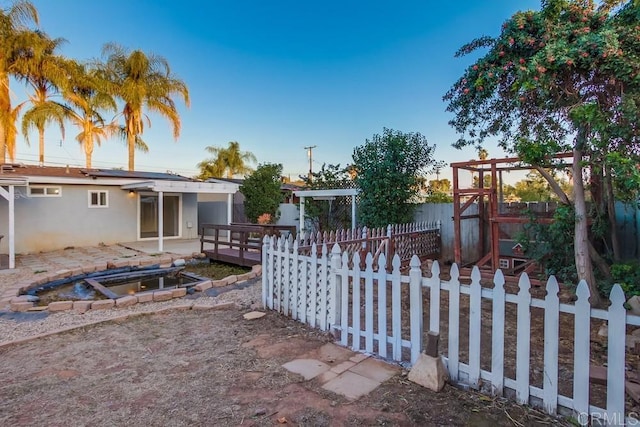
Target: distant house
(57,207)
(209,204)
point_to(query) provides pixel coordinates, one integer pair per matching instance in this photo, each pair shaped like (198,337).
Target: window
(42,191)
(98,199)
(504,263)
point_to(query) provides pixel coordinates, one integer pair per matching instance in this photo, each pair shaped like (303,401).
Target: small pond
(113,283)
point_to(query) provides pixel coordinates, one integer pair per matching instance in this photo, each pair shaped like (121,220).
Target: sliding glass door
(148,208)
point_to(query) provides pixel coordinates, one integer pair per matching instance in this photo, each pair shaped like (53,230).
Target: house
(48,208)
(210,204)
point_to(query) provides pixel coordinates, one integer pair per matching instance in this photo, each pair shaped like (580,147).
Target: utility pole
(310,154)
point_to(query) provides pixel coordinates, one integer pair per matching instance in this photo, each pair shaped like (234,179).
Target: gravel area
(14,326)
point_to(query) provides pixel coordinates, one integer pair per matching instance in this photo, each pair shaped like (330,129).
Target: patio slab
(351,385)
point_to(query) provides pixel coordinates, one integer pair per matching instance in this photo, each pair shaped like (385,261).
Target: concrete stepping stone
(351,385)
(375,369)
(308,368)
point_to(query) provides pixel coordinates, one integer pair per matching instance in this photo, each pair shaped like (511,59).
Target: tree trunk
(564,199)
(5,114)
(611,213)
(131,147)
(88,151)
(581,230)
(41,145)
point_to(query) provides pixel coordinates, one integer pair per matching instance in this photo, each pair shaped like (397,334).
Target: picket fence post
(344,316)
(475,327)
(381,278)
(323,288)
(313,287)
(551,345)
(368,304)
(295,281)
(396,309)
(615,356)
(454,326)
(415,310)
(434,303)
(497,335)
(285,270)
(355,316)
(523,345)
(265,272)
(581,350)
(335,284)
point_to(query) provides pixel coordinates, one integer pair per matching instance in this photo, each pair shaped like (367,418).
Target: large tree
(15,20)
(389,170)
(88,101)
(44,72)
(226,162)
(143,82)
(262,193)
(561,79)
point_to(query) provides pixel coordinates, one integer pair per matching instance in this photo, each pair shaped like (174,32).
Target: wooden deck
(239,244)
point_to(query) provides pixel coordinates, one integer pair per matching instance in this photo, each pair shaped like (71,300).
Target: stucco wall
(51,223)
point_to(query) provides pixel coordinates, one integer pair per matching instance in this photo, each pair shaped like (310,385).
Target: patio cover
(166,186)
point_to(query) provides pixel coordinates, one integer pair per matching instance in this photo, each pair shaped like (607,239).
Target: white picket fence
(319,290)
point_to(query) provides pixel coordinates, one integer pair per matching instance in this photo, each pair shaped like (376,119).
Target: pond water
(107,284)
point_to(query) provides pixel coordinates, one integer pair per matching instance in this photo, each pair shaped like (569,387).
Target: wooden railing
(239,244)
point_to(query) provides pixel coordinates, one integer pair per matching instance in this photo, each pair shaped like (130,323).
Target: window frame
(90,193)
(57,190)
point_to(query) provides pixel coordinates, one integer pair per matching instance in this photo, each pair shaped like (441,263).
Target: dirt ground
(212,368)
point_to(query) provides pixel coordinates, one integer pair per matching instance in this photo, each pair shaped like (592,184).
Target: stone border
(183,307)
(22,304)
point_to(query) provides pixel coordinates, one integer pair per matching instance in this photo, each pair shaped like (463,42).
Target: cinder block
(127,301)
(103,304)
(60,305)
(162,295)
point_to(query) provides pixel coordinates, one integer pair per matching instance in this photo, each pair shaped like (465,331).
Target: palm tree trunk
(5,114)
(131,146)
(581,230)
(88,152)
(41,145)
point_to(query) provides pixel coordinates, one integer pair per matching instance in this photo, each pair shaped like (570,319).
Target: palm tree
(230,161)
(14,21)
(143,81)
(45,72)
(87,100)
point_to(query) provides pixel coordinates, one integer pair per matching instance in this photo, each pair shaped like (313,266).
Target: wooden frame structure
(463,198)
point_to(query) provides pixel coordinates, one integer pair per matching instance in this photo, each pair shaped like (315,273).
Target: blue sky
(281,75)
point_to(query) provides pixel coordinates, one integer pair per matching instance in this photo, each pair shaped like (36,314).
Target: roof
(8,170)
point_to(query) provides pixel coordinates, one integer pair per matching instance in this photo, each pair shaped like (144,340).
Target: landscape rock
(103,304)
(20,306)
(179,262)
(252,315)
(81,306)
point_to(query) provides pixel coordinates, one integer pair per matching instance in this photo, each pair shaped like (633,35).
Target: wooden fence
(418,238)
(381,312)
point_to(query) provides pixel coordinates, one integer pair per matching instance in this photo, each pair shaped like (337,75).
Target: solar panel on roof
(117,173)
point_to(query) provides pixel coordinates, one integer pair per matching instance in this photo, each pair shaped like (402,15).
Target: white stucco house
(48,208)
